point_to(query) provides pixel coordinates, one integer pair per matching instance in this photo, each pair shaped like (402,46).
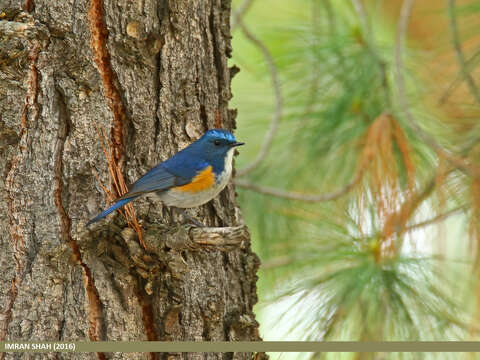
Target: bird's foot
(190,218)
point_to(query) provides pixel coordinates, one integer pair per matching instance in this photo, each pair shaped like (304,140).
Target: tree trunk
(154,73)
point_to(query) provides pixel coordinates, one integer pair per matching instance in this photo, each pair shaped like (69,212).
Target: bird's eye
(217,142)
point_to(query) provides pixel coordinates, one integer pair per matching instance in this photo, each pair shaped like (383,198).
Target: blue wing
(186,164)
(157,179)
(179,170)
(111,209)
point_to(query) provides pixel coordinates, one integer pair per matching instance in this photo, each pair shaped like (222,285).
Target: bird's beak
(237,144)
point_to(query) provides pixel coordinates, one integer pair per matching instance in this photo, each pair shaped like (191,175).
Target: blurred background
(360,181)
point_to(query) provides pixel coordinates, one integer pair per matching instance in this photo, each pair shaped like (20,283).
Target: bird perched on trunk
(190,178)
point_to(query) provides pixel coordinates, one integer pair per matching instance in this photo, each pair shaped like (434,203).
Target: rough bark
(155,73)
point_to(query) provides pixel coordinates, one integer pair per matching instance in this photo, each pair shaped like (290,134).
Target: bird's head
(216,143)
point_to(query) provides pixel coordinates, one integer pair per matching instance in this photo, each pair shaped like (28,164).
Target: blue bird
(190,178)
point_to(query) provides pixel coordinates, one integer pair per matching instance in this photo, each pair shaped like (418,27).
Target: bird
(190,178)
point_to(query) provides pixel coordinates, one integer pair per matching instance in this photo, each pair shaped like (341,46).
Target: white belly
(186,199)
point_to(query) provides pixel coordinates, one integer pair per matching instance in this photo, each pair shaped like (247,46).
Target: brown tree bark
(155,73)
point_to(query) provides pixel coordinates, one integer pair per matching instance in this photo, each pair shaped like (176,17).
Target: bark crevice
(111,86)
(13,189)
(96,321)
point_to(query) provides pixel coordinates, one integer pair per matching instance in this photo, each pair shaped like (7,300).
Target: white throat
(228,162)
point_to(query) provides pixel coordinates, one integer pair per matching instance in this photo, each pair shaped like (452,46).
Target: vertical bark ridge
(96,331)
(15,212)
(220,49)
(157,85)
(98,43)
(147,315)
(29,5)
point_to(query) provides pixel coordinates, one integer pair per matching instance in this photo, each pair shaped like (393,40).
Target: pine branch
(436,219)
(240,12)
(370,46)
(458,78)
(458,50)
(456,161)
(267,143)
(291,195)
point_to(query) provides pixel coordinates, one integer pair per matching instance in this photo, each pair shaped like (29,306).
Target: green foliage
(355,298)
(348,276)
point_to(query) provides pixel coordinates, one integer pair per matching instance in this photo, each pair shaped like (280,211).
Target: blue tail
(111,209)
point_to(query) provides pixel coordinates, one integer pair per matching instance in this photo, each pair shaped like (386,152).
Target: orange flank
(203,181)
